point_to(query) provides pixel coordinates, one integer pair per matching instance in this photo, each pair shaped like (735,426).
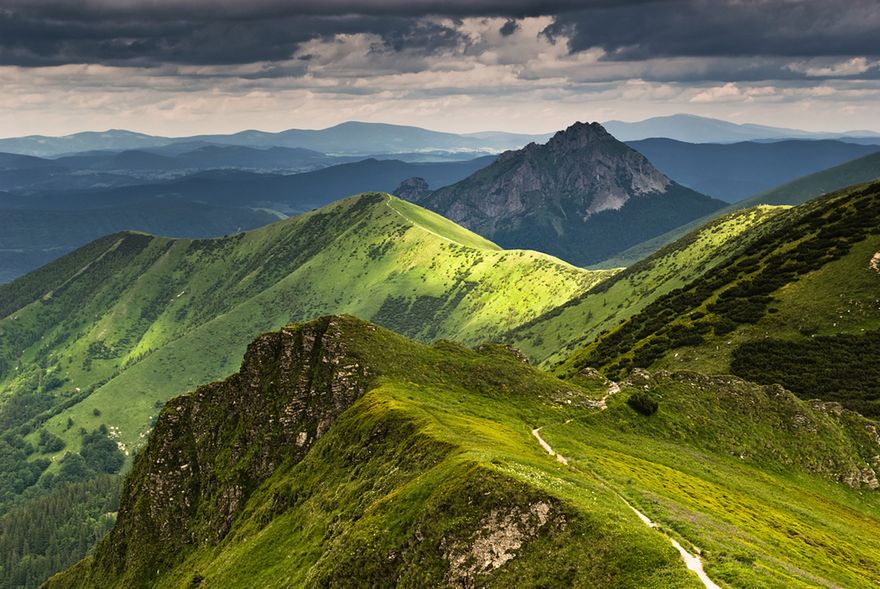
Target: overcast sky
(178,67)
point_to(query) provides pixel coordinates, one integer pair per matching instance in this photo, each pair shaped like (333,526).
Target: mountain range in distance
(32,238)
(288,193)
(185,180)
(361,138)
(106,169)
(858,171)
(41,226)
(186,157)
(350,138)
(697,129)
(730,172)
(733,172)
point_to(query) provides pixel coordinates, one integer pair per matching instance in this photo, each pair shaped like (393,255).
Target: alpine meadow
(381,294)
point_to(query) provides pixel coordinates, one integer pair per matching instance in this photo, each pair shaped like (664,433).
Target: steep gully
(692,561)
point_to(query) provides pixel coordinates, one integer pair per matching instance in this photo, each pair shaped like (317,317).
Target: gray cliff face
(580,171)
(583,196)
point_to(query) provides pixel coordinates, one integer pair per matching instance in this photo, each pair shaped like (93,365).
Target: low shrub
(643,403)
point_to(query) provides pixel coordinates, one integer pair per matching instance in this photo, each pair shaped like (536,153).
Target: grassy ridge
(556,334)
(435,463)
(106,338)
(808,277)
(440,226)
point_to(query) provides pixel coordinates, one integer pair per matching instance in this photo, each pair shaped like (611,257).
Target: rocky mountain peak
(563,184)
(577,136)
(580,135)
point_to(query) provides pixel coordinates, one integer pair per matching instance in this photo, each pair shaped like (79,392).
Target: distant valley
(40,226)
(736,171)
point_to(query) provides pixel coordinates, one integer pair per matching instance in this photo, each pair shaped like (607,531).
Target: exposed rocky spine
(211,449)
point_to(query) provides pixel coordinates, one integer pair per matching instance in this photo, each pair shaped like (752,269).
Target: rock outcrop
(211,449)
(412,189)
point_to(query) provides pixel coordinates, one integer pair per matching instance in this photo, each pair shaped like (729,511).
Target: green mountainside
(343,455)
(131,320)
(93,344)
(800,306)
(557,333)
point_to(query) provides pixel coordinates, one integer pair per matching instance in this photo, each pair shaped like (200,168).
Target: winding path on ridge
(692,561)
(559,457)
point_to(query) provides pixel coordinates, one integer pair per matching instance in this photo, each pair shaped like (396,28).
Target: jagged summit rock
(583,196)
(412,189)
(591,166)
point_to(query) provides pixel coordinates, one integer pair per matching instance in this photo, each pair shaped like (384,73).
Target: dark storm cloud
(153,32)
(713,28)
(424,36)
(220,32)
(509,28)
(31,41)
(257,9)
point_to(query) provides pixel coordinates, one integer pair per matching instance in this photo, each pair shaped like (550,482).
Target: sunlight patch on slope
(438,225)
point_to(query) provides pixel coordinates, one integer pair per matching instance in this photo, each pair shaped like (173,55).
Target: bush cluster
(841,368)
(643,403)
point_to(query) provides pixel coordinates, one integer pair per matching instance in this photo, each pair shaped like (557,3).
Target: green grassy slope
(800,306)
(416,466)
(440,226)
(556,334)
(857,171)
(107,334)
